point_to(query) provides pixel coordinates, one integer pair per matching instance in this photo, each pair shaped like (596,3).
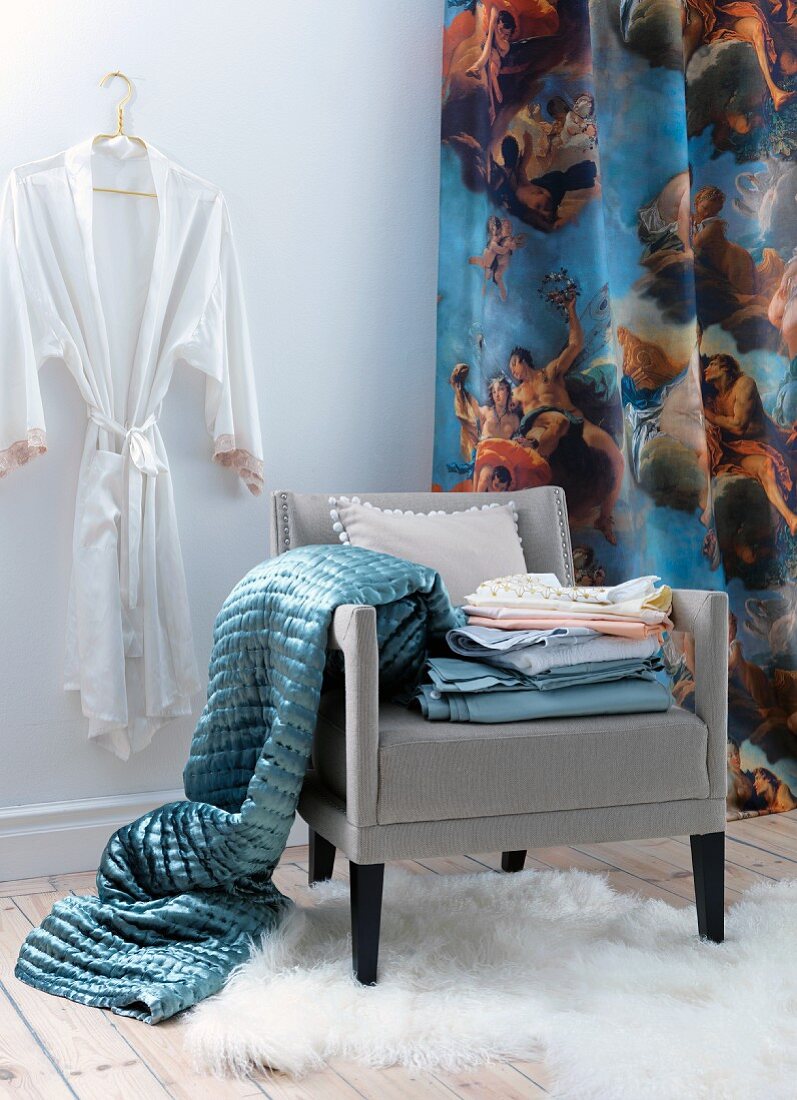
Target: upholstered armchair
(386,784)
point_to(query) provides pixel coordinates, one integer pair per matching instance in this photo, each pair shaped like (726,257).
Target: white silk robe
(122,288)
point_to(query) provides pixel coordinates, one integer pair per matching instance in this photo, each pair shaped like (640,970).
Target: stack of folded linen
(536,649)
(536,601)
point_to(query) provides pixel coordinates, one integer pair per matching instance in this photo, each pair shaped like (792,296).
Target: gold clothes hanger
(120,132)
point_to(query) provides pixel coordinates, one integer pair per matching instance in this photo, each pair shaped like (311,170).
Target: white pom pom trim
(340,530)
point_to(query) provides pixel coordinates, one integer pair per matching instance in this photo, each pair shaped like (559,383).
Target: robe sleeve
(22,430)
(220,347)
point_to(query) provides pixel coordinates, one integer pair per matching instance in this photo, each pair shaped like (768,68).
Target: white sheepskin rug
(615,992)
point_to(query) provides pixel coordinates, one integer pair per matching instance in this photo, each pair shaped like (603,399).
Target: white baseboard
(52,838)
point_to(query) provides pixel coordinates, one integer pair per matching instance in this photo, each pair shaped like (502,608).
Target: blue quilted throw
(184,890)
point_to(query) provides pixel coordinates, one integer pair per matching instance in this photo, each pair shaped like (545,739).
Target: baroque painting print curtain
(618,309)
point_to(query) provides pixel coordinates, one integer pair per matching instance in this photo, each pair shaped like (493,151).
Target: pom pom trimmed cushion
(464,547)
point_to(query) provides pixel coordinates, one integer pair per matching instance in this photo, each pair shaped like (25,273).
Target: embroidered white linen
(120,289)
(529,593)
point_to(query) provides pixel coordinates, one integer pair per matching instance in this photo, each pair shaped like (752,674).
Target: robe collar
(77,162)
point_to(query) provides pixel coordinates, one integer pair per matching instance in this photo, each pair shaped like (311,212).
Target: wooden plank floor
(51,1048)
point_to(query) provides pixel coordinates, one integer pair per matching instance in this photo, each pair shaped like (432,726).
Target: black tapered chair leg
(365,894)
(512,861)
(322,858)
(708,867)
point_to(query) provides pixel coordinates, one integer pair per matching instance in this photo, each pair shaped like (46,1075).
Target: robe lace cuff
(248,468)
(24,450)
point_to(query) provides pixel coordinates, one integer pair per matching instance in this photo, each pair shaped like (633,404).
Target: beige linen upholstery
(389,785)
(518,764)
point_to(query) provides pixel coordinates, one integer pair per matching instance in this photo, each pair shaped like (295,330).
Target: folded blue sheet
(629,696)
(450,674)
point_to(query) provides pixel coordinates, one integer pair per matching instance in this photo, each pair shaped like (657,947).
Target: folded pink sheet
(620,628)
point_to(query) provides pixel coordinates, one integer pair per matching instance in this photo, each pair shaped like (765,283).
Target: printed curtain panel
(618,309)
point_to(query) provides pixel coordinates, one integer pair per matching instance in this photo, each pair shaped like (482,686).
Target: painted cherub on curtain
(501,27)
(478,42)
(502,243)
(557,109)
(570,136)
(587,571)
(579,131)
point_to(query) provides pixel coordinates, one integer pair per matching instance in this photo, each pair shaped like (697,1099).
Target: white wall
(319,120)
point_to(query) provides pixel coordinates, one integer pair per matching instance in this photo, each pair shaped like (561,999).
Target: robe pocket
(102,501)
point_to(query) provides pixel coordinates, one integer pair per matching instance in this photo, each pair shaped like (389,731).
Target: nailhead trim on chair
(563,533)
(286,532)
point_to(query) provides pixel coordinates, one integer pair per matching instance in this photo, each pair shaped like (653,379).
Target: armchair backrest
(302,519)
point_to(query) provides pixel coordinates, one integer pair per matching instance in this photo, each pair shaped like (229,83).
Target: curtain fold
(618,309)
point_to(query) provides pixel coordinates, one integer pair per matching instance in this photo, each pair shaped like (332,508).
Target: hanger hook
(120,106)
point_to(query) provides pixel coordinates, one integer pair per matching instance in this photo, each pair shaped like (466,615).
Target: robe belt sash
(140,460)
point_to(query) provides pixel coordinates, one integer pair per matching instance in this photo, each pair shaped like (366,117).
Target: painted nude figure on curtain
(767,25)
(745,439)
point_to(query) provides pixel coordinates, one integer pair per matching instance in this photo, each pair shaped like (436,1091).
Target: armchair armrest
(704,615)
(353,631)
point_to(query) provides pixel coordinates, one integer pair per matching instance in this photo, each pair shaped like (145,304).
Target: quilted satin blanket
(185,890)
